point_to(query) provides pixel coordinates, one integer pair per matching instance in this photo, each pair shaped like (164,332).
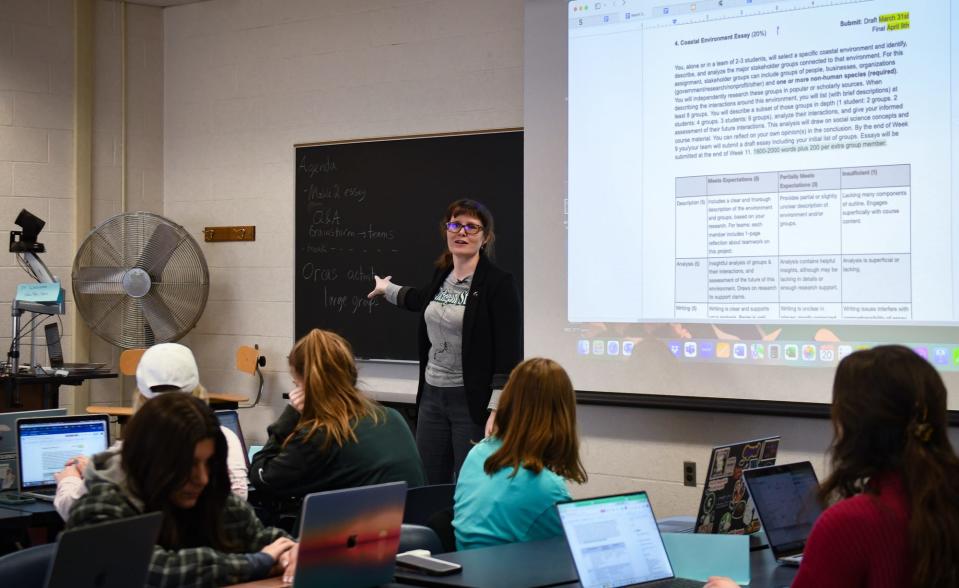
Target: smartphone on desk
(429,565)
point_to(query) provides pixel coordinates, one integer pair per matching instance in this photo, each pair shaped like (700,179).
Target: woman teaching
(470,337)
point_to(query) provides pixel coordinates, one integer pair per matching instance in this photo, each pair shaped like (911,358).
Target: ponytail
(930,474)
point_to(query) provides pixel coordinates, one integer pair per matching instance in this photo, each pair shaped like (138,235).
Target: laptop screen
(54,350)
(615,540)
(231,420)
(786,500)
(45,445)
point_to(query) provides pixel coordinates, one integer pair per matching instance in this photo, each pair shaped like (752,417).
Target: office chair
(28,567)
(423,502)
(419,537)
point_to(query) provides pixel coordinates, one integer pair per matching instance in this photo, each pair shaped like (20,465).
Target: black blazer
(492,331)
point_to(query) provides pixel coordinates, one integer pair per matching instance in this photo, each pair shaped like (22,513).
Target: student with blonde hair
(510,481)
(331,436)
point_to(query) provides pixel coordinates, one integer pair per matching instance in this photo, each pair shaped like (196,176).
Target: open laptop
(787,501)
(615,542)
(349,538)
(725,506)
(45,444)
(231,420)
(8,442)
(119,557)
(55,353)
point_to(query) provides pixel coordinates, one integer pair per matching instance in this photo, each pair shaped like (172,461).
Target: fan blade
(159,317)
(154,257)
(99,280)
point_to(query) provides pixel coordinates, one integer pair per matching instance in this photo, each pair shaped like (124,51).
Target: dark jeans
(445,432)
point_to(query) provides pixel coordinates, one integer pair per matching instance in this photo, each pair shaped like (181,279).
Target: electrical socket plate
(689,473)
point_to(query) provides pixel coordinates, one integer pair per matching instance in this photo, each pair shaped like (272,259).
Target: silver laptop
(8,442)
(787,502)
(45,444)
(615,542)
(55,353)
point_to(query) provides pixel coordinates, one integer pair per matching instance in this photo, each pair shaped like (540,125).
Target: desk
(14,518)
(37,514)
(276,582)
(35,392)
(123,413)
(549,563)
(536,563)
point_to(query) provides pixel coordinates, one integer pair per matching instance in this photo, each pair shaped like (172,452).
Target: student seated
(173,460)
(510,481)
(331,436)
(895,480)
(165,367)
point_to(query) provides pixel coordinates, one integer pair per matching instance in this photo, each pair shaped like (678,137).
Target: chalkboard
(376,207)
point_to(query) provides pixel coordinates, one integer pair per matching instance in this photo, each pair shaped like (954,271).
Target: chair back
(425,501)
(28,567)
(247,359)
(419,537)
(129,360)
(442,525)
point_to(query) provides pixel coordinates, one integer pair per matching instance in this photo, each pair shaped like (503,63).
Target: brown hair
(889,416)
(324,361)
(159,444)
(536,420)
(472,208)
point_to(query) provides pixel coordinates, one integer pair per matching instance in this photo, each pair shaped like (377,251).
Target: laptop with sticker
(725,506)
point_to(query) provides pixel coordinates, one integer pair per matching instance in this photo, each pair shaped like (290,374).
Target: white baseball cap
(167,364)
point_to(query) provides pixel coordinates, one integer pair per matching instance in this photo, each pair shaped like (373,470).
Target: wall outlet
(689,473)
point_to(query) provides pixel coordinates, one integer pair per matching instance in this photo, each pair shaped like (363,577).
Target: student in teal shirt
(510,482)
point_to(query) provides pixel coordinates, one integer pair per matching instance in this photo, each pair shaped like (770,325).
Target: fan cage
(160,248)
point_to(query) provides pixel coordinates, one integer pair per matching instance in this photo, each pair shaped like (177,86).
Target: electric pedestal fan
(140,279)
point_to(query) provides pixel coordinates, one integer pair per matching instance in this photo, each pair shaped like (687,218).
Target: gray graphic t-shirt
(444,327)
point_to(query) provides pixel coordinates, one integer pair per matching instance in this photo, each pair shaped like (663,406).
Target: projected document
(762,162)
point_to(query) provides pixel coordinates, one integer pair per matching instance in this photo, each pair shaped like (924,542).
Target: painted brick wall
(245,81)
(36,143)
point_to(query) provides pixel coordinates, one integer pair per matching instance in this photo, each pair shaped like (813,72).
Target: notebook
(121,556)
(787,501)
(349,538)
(45,444)
(615,542)
(8,443)
(55,352)
(231,420)
(725,506)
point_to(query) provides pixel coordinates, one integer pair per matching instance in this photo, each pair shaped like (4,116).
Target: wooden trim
(403,137)
(83,71)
